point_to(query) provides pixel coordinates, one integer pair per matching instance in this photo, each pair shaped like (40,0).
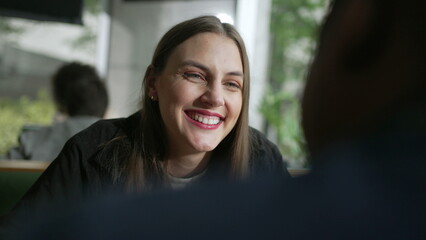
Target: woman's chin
(204,147)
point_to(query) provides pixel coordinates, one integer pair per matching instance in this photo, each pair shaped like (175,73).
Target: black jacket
(80,170)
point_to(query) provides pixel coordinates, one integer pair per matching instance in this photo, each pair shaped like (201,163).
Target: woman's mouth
(204,119)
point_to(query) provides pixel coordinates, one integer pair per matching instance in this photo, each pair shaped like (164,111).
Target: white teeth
(205,120)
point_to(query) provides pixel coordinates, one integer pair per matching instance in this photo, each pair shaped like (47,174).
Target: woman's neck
(188,165)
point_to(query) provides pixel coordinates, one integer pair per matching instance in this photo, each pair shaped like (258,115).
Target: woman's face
(200,92)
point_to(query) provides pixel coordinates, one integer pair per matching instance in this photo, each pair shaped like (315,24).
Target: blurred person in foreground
(364,119)
(80,99)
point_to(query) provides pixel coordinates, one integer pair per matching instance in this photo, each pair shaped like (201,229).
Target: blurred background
(119,37)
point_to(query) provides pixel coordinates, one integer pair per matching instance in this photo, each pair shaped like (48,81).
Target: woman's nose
(213,96)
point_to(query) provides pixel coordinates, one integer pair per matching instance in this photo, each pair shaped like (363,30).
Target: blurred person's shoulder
(31,135)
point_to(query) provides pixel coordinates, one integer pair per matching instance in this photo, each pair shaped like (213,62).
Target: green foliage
(17,113)
(282,112)
(8,30)
(293,27)
(92,6)
(86,41)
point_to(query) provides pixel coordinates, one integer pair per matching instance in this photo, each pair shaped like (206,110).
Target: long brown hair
(147,144)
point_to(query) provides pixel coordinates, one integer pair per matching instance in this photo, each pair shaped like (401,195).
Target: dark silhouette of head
(79,91)
(369,66)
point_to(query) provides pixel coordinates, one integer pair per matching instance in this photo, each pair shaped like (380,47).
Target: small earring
(152,98)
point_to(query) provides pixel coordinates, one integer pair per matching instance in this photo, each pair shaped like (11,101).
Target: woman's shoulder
(265,155)
(101,130)
(108,128)
(99,133)
(260,142)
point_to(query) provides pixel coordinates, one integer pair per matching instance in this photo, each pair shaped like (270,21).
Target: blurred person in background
(80,98)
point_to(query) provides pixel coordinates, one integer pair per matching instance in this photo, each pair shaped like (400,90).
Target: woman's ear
(151,78)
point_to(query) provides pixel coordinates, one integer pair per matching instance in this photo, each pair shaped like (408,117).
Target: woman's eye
(233,85)
(193,76)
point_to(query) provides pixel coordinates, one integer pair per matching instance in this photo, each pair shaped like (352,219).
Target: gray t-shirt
(180,183)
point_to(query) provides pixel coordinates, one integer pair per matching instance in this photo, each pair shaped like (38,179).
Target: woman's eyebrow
(206,69)
(235,73)
(195,64)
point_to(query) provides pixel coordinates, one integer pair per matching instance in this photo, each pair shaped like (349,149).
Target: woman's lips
(204,119)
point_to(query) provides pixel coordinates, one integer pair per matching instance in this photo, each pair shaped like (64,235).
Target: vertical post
(103,39)
(253,18)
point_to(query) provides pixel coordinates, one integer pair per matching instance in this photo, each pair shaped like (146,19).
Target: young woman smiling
(192,126)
